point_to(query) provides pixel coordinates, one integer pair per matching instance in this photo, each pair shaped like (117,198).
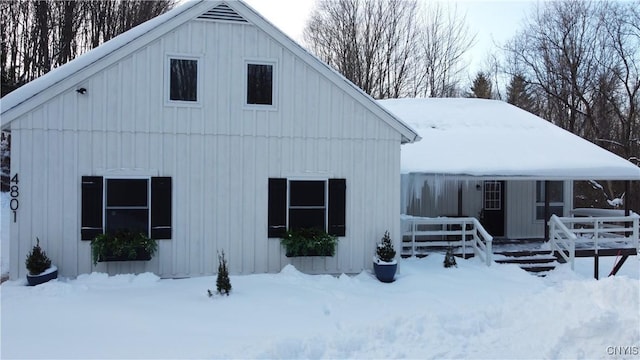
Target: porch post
(627,187)
(547,210)
(460,198)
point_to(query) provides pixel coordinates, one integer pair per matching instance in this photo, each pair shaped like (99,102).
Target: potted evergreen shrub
(39,266)
(309,242)
(384,263)
(122,246)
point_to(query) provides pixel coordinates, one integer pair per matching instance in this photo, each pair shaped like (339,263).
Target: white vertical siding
(219,154)
(521,216)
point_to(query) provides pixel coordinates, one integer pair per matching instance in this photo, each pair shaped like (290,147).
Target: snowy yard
(471,311)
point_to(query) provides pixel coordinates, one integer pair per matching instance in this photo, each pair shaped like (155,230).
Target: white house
(209,129)
(491,160)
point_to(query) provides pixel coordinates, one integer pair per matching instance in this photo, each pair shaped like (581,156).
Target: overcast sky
(491,21)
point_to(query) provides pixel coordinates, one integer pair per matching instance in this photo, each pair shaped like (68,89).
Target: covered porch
(488,177)
(569,238)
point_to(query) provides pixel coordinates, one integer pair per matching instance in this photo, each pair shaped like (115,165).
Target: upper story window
(556,198)
(183,79)
(260,84)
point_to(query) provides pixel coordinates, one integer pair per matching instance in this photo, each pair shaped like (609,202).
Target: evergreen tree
(223,284)
(481,87)
(385,250)
(519,94)
(450,259)
(37,260)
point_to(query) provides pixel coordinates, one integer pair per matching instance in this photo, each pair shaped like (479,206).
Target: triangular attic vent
(224,13)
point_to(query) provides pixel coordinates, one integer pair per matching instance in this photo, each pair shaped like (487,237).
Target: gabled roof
(69,75)
(493,139)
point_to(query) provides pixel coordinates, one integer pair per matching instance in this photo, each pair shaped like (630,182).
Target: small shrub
(450,259)
(37,260)
(385,251)
(223,284)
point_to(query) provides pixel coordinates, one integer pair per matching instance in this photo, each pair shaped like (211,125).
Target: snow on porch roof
(493,139)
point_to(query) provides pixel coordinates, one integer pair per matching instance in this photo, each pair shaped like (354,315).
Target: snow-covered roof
(491,138)
(74,72)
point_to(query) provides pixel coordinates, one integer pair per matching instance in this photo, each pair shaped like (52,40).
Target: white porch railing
(463,232)
(562,240)
(565,232)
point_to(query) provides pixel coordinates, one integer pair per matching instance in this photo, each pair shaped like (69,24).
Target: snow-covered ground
(471,311)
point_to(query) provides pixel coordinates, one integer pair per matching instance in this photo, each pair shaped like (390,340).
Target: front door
(493,207)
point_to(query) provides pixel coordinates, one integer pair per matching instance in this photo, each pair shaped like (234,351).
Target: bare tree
(444,39)
(619,82)
(37,36)
(557,51)
(369,42)
(582,60)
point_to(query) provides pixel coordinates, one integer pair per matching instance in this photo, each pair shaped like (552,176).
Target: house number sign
(14,193)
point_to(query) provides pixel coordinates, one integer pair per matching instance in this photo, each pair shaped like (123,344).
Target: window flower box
(309,242)
(122,246)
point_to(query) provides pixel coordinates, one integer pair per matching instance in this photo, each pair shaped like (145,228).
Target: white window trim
(484,195)
(536,203)
(326,197)
(167,80)
(274,84)
(104,198)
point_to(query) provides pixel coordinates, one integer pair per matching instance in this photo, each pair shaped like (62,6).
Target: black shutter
(337,207)
(161,208)
(277,208)
(91,207)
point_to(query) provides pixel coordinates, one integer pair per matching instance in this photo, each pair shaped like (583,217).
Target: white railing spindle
(451,232)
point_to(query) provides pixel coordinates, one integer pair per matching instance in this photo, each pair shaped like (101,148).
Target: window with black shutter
(337,207)
(127,206)
(91,219)
(137,205)
(296,204)
(161,208)
(307,207)
(277,217)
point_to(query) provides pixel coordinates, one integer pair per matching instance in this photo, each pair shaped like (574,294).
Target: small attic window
(260,84)
(183,79)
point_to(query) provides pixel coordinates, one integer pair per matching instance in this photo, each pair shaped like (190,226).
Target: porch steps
(536,262)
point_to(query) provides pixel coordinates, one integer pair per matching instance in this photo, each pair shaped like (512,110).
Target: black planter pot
(385,272)
(49,274)
(141,255)
(310,252)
